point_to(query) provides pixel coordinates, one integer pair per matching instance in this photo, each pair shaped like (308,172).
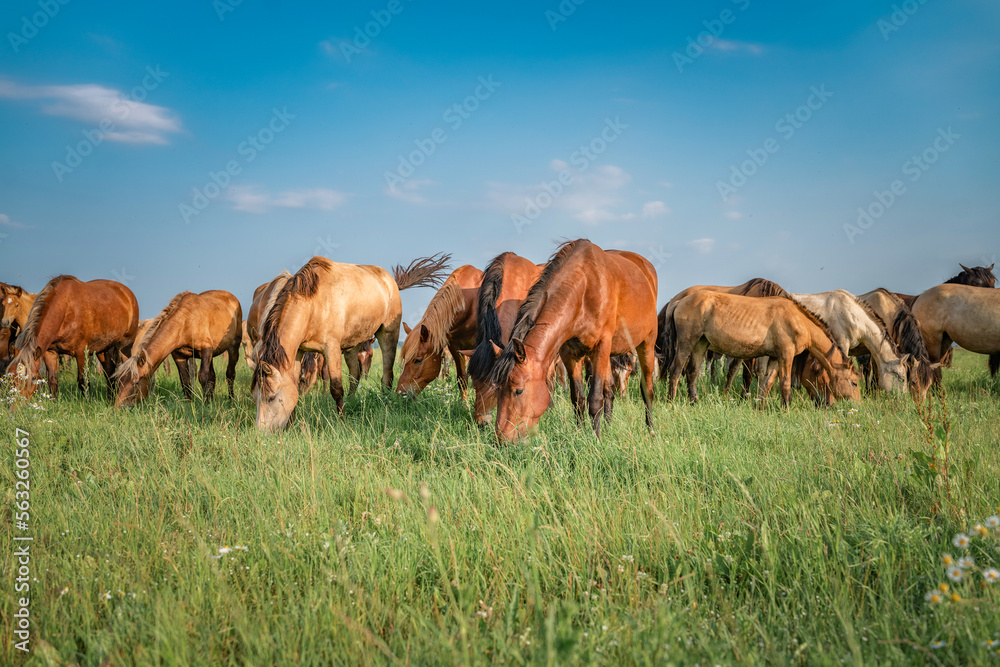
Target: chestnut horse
(746,328)
(449,322)
(969,316)
(71,317)
(330,307)
(505,285)
(192,325)
(588,304)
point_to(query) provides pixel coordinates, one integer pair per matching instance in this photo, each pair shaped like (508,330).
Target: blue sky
(839,99)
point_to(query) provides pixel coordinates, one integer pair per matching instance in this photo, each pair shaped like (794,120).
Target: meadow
(175,533)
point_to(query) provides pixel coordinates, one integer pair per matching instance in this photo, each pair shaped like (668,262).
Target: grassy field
(175,533)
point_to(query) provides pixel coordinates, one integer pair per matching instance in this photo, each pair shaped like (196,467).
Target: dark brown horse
(71,317)
(505,286)
(588,304)
(330,307)
(448,323)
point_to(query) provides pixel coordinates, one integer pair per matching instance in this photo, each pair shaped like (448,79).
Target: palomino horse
(192,325)
(314,367)
(330,307)
(71,317)
(905,333)
(506,282)
(588,304)
(969,316)
(746,328)
(448,323)
(856,329)
(263,298)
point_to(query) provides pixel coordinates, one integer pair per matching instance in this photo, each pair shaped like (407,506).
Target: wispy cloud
(252,199)
(654,209)
(409,190)
(736,46)
(7,222)
(702,246)
(133,122)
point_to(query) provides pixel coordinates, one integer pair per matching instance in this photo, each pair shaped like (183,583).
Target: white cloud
(409,190)
(654,209)
(703,246)
(133,122)
(734,215)
(7,222)
(734,46)
(252,199)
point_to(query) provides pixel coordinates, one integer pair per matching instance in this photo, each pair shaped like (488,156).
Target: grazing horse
(588,304)
(505,286)
(330,307)
(448,323)
(969,316)
(365,355)
(263,298)
(71,317)
(192,325)
(856,329)
(746,328)
(622,366)
(977,276)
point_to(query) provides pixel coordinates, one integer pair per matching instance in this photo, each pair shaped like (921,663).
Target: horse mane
(13,290)
(905,334)
(977,276)
(488,329)
(304,283)
(883,327)
(439,317)
(766,287)
(528,312)
(422,272)
(130,367)
(27,340)
(813,317)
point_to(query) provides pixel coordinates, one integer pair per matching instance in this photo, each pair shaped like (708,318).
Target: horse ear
(829,355)
(518,347)
(467,353)
(38,353)
(406,328)
(935,366)
(964,267)
(142,358)
(497,350)
(990,267)
(425,333)
(265,368)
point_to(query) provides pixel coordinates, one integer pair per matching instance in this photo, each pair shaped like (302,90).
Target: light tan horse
(331,307)
(73,317)
(746,328)
(201,326)
(263,298)
(969,316)
(449,323)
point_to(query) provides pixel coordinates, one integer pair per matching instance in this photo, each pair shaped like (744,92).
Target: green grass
(764,537)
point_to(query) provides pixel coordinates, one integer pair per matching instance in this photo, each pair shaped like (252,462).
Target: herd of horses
(585,319)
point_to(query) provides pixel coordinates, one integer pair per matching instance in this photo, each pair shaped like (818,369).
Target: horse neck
(292,329)
(876,341)
(820,346)
(552,328)
(165,340)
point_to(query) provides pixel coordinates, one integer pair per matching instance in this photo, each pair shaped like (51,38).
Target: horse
(365,355)
(203,325)
(977,276)
(330,307)
(263,297)
(505,285)
(622,366)
(969,316)
(856,329)
(71,317)
(588,304)
(448,323)
(746,328)
(314,367)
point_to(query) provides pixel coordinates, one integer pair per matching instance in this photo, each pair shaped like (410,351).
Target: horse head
(134,380)
(422,362)
(275,389)
(522,392)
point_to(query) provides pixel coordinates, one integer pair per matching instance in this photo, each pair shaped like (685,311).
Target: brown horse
(448,323)
(746,328)
(192,325)
(71,317)
(622,367)
(588,304)
(969,316)
(977,276)
(330,307)
(365,355)
(905,333)
(505,286)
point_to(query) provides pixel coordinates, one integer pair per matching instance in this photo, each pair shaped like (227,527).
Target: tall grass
(401,534)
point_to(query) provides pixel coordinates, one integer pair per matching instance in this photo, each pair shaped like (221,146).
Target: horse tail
(488,329)
(422,272)
(666,340)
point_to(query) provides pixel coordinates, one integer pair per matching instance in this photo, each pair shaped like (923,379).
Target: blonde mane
(439,317)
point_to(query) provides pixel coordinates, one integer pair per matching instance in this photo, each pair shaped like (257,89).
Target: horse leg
(206,376)
(184,372)
(747,376)
(353,368)
(387,337)
(600,378)
(785,375)
(732,367)
(234,357)
(110,363)
(460,370)
(82,381)
(576,391)
(646,352)
(52,370)
(764,387)
(994,364)
(693,369)
(333,355)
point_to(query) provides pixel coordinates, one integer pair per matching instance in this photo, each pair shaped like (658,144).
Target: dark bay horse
(331,307)
(448,323)
(505,286)
(587,305)
(201,326)
(71,317)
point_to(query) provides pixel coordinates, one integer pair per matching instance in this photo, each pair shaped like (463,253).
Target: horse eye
(518,392)
(418,361)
